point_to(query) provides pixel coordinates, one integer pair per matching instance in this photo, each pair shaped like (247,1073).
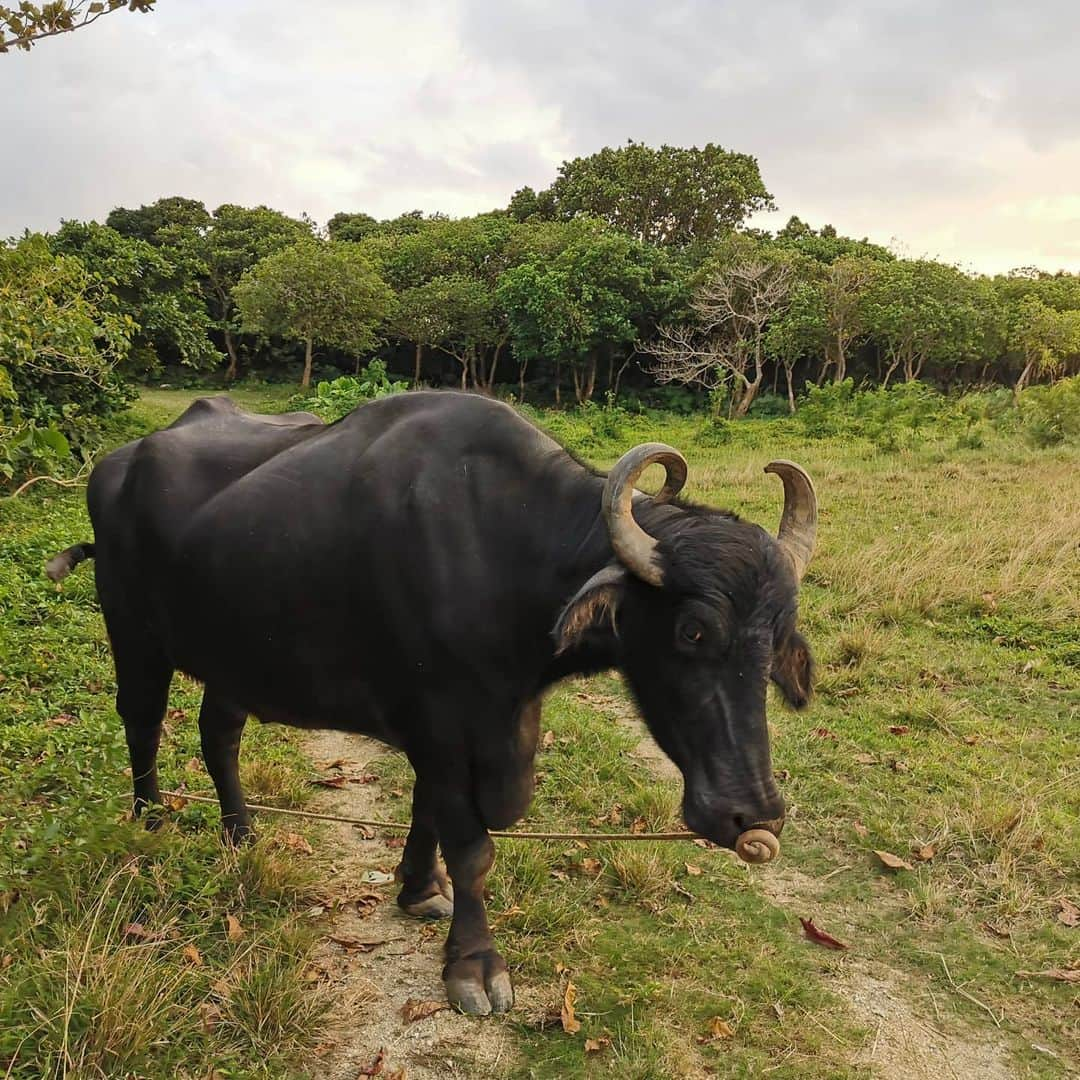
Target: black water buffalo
(421,572)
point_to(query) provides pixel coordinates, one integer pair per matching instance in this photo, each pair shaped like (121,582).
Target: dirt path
(377,958)
(907,1041)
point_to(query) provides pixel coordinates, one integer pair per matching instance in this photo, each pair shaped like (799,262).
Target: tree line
(635,266)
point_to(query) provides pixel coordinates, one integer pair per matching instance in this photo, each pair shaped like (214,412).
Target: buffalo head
(704,609)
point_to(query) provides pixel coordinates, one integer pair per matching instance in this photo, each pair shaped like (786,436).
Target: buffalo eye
(691,632)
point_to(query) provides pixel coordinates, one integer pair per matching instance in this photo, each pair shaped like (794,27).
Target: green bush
(1050,415)
(59,347)
(336,398)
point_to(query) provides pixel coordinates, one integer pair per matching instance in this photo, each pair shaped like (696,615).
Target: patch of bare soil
(381,962)
(907,1041)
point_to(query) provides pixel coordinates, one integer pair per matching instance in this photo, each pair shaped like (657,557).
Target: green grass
(944,600)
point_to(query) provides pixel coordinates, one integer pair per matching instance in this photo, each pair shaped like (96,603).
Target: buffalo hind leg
(142,694)
(425,890)
(475,975)
(220,728)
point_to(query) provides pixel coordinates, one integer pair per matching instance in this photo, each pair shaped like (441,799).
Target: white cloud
(950,127)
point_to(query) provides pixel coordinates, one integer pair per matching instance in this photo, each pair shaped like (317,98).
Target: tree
(351,227)
(316,293)
(165,306)
(670,195)
(726,344)
(164,222)
(919,311)
(1042,336)
(21,27)
(238,238)
(842,287)
(800,330)
(591,301)
(59,347)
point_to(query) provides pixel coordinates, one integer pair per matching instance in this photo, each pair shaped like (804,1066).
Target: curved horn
(634,547)
(798,525)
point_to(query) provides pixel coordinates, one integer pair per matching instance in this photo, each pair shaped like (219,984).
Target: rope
(376,824)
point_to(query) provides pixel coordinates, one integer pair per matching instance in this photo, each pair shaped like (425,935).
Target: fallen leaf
(818,935)
(898,729)
(234,929)
(376,877)
(591,866)
(899,766)
(210,1014)
(313,974)
(570,1023)
(548,741)
(996,930)
(329,781)
(295,842)
(61,720)
(397,1074)
(971,740)
(1069,975)
(824,733)
(782,775)
(682,891)
(926,852)
(139,932)
(192,955)
(893,862)
(865,759)
(351,944)
(1069,913)
(594,1046)
(414,1009)
(395,841)
(718,1029)
(193,765)
(639,825)
(174,802)
(338,763)
(860,828)
(376,1066)
(364,778)
(366,831)
(316,911)
(692,870)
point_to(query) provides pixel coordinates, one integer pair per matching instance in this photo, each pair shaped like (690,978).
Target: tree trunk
(305,382)
(790,389)
(1025,375)
(841,362)
(893,365)
(558,382)
(746,398)
(230,346)
(417,361)
(618,377)
(522,368)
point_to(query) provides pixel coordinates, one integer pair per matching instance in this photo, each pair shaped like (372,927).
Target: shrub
(336,398)
(1050,415)
(59,347)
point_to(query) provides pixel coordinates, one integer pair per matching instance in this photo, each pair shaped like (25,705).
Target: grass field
(944,609)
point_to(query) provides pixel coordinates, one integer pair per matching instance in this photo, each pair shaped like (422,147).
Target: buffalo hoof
(237,834)
(431,907)
(479,985)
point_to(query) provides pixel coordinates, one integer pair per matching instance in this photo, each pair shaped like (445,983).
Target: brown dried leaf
(174,802)
(782,775)
(971,740)
(548,741)
(720,1029)
(295,842)
(1068,975)
(233,928)
(899,729)
(860,828)
(61,720)
(996,930)
(139,932)
(926,852)
(414,1009)
(193,765)
(376,1066)
(1069,914)
(824,733)
(351,944)
(329,781)
(899,766)
(211,1016)
(591,866)
(819,936)
(594,1046)
(893,862)
(570,1023)
(395,841)
(639,825)
(692,870)
(192,955)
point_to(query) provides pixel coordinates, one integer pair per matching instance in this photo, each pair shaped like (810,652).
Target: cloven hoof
(757,846)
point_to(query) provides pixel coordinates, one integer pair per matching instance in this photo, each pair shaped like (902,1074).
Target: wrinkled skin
(421,572)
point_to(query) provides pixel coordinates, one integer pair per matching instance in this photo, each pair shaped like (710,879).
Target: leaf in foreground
(570,1023)
(719,1029)
(816,934)
(233,927)
(1069,913)
(414,1009)
(893,862)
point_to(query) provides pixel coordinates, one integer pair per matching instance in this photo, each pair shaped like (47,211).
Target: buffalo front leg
(425,891)
(220,728)
(475,974)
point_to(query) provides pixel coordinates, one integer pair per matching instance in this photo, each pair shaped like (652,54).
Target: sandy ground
(378,959)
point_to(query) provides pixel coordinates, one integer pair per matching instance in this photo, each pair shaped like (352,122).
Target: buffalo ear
(793,670)
(595,602)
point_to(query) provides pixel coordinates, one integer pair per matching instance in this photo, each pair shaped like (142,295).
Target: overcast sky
(948,128)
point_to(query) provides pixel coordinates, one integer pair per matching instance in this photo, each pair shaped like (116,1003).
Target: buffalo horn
(798,525)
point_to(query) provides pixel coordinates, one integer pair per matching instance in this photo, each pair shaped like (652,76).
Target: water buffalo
(421,572)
